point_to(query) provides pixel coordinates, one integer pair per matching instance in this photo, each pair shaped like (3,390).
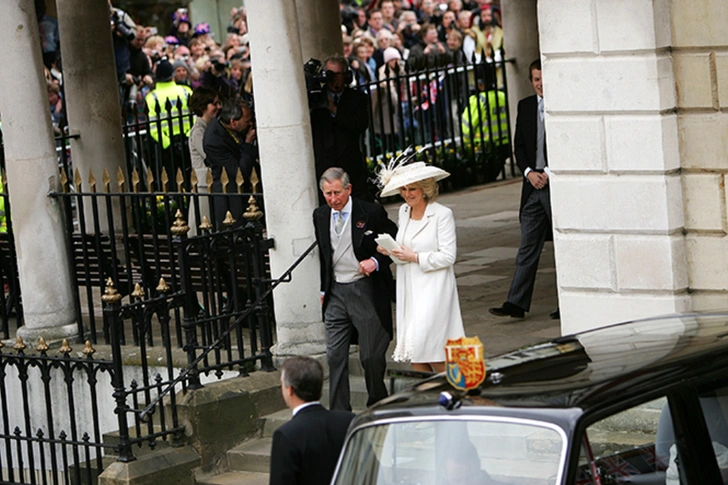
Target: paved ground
(488,237)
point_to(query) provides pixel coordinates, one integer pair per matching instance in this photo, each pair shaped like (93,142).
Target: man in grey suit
(356,286)
(529,147)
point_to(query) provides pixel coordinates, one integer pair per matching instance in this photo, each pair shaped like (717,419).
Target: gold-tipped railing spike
(106,180)
(193,182)
(1,344)
(150,180)
(254,180)
(224,180)
(135,181)
(42,345)
(64,181)
(180,179)
(110,294)
(19,344)
(138,292)
(91,181)
(165,179)
(239,181)
(208,178)
(120,179)
(179,226)
(88,349)
(205,225)
(65,348)
(252,213)
(229,219)
(162,287)
(77,181)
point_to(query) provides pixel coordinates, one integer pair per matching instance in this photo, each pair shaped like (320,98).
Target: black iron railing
(457,111)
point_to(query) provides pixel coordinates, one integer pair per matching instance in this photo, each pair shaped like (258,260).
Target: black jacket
(366,221)
(223,152)
(337,139)
(524,143)
(306,449)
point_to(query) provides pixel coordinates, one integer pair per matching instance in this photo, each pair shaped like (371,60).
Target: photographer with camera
(339,118)
(216,76)
(123,31)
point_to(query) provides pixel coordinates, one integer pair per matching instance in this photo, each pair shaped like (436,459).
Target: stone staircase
(249,462)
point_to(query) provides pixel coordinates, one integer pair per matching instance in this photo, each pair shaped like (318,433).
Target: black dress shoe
(508,310)
(555,315)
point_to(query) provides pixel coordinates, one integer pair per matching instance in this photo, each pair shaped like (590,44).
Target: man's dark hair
(231,110)
(337,59)
(305,376)
(534,65)
(201,97)
(372,12)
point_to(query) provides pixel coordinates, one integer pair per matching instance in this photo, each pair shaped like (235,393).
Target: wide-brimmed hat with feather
(403,171)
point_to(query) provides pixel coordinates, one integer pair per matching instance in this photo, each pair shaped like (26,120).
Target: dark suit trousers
(351,306)
(535,225)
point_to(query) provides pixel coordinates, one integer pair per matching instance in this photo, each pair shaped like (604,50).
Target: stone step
(358,395)
(275,421)
(236,478)
(251,456)
(112,438)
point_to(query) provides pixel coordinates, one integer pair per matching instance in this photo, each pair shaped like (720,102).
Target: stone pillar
(520,30)
(319,23)
(617,199)
(287,163)
(32,169)
(700,63)
(90,86)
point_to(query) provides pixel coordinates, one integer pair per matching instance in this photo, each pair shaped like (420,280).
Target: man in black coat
(356,286)
(229,145)
(535,213)
(338,124)
(306,449)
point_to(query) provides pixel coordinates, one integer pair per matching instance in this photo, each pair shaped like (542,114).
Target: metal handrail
(284,278)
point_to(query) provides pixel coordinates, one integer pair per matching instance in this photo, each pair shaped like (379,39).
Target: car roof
(589,370)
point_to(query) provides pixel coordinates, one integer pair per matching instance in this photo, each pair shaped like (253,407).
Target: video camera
(117,21)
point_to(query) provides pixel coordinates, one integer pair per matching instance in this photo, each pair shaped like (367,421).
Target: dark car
(643,402)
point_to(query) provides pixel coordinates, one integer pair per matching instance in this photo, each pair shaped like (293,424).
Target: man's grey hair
(332,175)
(231,110)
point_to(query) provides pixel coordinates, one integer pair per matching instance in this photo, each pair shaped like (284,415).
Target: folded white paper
(388,243)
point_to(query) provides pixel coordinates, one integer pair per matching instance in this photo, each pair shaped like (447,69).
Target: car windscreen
(453,451)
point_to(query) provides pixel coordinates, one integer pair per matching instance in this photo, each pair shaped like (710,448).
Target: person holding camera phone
(217,76)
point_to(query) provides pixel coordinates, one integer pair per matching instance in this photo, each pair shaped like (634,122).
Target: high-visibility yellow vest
(490,105)
(159,121)
(3,216)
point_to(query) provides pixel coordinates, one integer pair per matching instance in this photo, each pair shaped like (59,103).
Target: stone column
(700,63)
(520,31)
(32,169)
(92,95)
(287,163)
(617,199)
(319,24)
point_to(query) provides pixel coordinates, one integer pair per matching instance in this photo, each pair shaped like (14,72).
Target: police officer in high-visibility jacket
(485,118)
(169,123)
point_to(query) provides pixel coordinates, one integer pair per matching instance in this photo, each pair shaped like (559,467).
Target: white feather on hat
(400,172)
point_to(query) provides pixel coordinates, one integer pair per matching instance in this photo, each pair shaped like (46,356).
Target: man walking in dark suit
(356,286)
(306,449)
(338,124)
(535,215)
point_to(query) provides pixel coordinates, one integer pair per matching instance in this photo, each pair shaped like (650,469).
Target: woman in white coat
(428,308)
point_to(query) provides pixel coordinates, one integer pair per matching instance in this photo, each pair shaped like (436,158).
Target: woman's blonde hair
(430,189)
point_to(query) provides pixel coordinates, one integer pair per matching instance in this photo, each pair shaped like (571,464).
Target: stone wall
(700,62)
(637,146)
